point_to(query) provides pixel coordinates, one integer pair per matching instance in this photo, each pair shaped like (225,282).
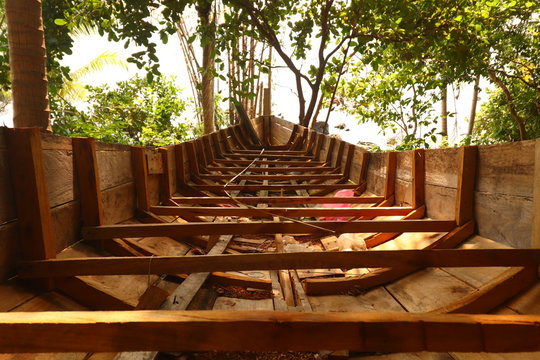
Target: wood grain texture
(228,330)
(315,260)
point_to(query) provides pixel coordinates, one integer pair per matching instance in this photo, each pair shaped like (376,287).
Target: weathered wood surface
(222,330)
(265,227)
(313,260)
(280,200)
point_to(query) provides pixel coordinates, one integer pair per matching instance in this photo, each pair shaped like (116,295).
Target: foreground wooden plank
(78,331)
(280,200)
(315,260)
(271,212)
(264,227)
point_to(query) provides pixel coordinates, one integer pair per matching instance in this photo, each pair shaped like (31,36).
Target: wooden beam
(281,169)
(285,187)
(418,177)
(140,174)
(315,260)
(179,155)
(98,331)
(495,293)
(390,181)
(165,188)
(84,157)
(280,200)
(383,276)
(271,212)
(466,181)
(535,241)
(271,162)
(36,238)
(364,168)
(299,177)
(265,227)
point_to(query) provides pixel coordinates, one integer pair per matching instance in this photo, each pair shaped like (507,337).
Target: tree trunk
(208,67)
(28,63)
(444,110)
(510,102)
(473,105)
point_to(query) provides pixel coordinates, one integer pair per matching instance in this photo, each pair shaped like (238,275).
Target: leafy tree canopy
(136,112)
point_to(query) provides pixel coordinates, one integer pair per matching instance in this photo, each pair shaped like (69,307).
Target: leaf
(60,22)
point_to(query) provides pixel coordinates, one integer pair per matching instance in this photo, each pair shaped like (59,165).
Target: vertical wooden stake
(165,191)
(465,187)
(140,174)
(419,177)
(192,159)
(348,161)
(36,236)
(390,181)
(84,156)
(535,241)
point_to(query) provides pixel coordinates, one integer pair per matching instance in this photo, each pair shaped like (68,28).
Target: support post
(267,105)
(84,156)
(31,197)
(535,241)
(179,155)
(390,181)
(165,191)
(418,177)
(465,187)
(140,174)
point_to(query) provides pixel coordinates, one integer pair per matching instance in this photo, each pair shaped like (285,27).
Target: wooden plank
(270,162)
(277,170)
(140,174)
(280,200)
(278,211)
(265,227)
(316,260)
(84,157)
(178,330)
(535,240)
(36,238)
(468,156)
(419,177)
(184,294)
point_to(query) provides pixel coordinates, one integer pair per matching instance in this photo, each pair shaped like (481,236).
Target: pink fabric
(340,193)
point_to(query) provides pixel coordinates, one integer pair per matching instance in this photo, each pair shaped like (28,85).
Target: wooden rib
(300,177)
(179,155)
(385,275)
(281,200)
(315,260)
(283,169)
(264,227)
(140,174)
(83,292)
(285,187)
(84,158)
(271,162)
(277,211)
(465,187)
(496,292)
(381,238)
(36,238)
(79,331)
(419,177)
(390,181)
(165,188)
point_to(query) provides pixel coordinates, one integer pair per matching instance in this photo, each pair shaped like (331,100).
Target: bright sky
(284,97)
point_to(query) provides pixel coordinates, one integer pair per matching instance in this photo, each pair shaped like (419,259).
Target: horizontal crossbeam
(279,261)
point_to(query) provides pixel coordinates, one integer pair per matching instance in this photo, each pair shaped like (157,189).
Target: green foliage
(136,112)
(496,124)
